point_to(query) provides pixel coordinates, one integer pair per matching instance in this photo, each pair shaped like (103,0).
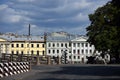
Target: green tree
(104,30)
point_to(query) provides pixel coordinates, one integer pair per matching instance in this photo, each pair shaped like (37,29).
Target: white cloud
(48,15)
(80,17)
(81,4)
(3,6)
(13,18)
(26,0)
(10,15)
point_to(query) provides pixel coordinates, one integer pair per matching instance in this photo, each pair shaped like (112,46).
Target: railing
(34,59)
(12,68)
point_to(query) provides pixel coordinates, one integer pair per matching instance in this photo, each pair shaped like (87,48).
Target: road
(70,72)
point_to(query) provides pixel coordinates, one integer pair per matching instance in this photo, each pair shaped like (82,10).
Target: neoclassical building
(80,49)
(55,45)
(76,47)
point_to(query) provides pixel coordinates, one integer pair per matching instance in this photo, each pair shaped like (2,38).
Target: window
(78,57)
(49,45)
(78,51)
(43,45)
(27,45)
(74,44)
(57,51)
(17,45)
(12,45)
(32,45)
(82,51)
(22,45)
(74,57)
(32,52)
(69,44)
(74,51)
(43,52)
(57,44)
(27,52)
(86,51)
(69,57)
(12,52)
(61,44)
(82,44)
(90,45)
(90,51)
(53,45)
(61,50)
(86,45)
(37,45)
(37,52)
(66,45)
(17,52)
(78,44)
(21,52)
(49,51)
(53,51)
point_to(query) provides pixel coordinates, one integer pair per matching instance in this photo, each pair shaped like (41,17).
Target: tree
(103,32)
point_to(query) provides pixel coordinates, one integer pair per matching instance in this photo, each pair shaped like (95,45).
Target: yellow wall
(4,46)
(27,47)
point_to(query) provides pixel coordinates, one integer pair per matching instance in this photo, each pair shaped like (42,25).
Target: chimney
(29,30)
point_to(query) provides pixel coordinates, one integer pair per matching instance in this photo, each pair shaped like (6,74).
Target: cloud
(26,0)
(12,18)
(47,15)
(3,6)
(10,15)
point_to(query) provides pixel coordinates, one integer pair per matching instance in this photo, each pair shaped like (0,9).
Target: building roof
(63,36)
(54,36)
(21,38)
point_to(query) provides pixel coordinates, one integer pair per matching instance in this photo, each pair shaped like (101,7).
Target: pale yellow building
(17,44)
(4,45)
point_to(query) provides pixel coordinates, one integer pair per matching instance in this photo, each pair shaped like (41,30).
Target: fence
(34,59)
(11,68)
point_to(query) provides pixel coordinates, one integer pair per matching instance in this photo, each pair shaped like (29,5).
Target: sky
(47,15)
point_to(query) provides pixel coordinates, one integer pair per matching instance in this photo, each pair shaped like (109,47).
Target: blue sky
(47,15)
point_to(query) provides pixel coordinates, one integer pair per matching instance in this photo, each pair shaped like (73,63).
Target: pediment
(80,39)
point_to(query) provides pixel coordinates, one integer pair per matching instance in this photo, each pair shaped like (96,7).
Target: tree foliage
(104,30)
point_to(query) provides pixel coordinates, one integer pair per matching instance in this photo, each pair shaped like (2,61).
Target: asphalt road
(70,72)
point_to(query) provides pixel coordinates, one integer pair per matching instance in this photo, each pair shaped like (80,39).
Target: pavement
(69,72)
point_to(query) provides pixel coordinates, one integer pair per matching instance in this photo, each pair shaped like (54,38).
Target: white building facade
(77,48)
(80,50)
(56,44)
